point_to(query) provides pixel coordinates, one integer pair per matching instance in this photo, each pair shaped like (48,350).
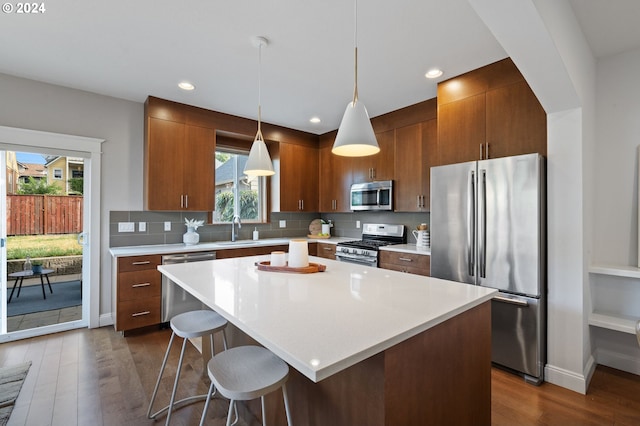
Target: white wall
(38,106)
(615,192)
(618,134)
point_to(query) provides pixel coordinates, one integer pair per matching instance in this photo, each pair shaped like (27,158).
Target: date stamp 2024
(24,8)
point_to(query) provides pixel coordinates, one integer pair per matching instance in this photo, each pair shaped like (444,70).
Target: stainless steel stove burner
(374,235)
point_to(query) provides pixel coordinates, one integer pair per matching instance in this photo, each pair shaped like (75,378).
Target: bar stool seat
(188,325)
(244,373)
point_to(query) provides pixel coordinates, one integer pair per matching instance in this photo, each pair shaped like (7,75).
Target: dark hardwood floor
(98,377)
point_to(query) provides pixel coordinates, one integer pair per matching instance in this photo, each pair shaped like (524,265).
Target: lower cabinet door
(138,313)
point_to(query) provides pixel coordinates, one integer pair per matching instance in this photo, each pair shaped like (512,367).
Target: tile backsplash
(297,225)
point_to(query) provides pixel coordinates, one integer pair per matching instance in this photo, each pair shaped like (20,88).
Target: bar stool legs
(187,325)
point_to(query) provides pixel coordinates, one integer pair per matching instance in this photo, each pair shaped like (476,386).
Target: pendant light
(259,162)
(355,136)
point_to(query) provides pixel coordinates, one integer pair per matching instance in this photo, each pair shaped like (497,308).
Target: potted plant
(36,266)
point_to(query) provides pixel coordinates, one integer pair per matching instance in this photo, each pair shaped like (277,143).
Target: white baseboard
(617,360)
(569,379)
(106,319)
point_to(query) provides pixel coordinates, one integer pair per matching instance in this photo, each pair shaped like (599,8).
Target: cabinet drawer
(327,250)
(139,284)
(405,262)
(138,313)
(137,263)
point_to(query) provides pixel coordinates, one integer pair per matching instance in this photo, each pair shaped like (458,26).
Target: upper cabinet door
(415,147)
(298,178)
(179,166)
(461,130)
(379,166)
(335,181)
(164,153)
(490,112)
(516,122)
(199,169)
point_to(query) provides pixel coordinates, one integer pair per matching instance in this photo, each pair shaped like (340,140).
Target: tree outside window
(236,194)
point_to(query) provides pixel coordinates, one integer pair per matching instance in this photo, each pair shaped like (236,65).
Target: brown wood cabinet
(327,250)
(138,292)
(296,179)
(490,112)
(379,166)
(415,149)
(250,251)
(335,179)
(419,264)
(179,166)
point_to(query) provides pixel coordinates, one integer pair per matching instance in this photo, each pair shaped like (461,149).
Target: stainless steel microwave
(372,195)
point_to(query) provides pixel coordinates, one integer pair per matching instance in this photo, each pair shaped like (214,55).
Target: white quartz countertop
(408,248)
(211,246)
(324,322)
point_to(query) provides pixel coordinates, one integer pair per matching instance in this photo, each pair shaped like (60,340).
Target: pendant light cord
(259,134)
(355,44)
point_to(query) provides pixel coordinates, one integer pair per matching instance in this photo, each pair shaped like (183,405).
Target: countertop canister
(298,254)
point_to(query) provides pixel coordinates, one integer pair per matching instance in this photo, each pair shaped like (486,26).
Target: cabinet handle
(302,201)
(142,262)
(481,150)
(405,259)
(486,150)
(141,285)
(418,201)
(181,201)
(326,248)
(138,314)
(186,201)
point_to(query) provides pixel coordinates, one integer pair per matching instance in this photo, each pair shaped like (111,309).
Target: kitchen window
(235,192)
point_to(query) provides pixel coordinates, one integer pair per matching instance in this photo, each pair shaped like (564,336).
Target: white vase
(190,237)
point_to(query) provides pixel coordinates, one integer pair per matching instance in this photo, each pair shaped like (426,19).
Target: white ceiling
(132,49)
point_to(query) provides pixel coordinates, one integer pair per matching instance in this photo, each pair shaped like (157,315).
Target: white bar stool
(244,373)
(187,325)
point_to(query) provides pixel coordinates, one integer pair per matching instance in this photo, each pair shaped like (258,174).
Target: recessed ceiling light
(314,120)
(433,73)
(185,85)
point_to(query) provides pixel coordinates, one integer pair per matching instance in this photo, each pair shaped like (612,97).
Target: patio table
(21,275)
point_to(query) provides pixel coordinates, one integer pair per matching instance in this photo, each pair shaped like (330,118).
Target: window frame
(55,170)
(263,192)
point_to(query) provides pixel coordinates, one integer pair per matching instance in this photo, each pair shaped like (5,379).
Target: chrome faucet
(233,227)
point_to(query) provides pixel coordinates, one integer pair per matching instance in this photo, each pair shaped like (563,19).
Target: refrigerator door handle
(511,301)
(482,224)
(471,231)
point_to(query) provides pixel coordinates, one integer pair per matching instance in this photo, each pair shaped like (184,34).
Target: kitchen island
(368,346)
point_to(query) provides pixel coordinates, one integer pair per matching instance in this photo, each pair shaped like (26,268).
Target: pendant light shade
(355,136)
(259,162)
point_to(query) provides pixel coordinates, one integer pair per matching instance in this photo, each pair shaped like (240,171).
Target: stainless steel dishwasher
(175,300)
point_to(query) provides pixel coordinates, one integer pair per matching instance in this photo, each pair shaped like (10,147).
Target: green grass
(42,246)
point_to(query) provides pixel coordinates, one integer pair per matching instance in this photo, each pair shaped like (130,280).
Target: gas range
(374,236)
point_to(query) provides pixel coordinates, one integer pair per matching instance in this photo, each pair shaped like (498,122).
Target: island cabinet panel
(296,179)
(428,379)
(138,292)
(379,166)
(415,148)
(419,264)
(326,250)
(334,180)
(490,112)
(179,166)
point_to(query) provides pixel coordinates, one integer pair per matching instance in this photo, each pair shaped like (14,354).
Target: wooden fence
(44,214)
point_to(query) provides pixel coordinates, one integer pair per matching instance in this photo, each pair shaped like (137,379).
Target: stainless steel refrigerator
(488,228)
